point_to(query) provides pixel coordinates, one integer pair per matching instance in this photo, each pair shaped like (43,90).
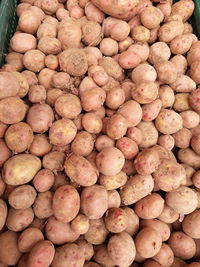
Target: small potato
(40,117)
(83,144)
(28,238)
(128,167)
(182,43)
(169,30)
(190,119)
(12,110)
(22,42)
(49,45)
(22,197)
(61,80)
(150,207)
(51,62)
(178,200)
(45,77)
(132,222)
(145,92)
(93,13)
(43,180)
(180,62)
(80,170)
(114,200)
(46,30)
(169,175)
(121,249)
(97,232)
(116,220)
(140,34)
(168,122)
(93,54)
(92,123)
(15,60)
(151,17)
(91,197)
(29,22)
(165,256)
(110,161)
(194,100)
(93,99)
(33,60)
(148,242)
(183,84)
(115,98)
(40,145)
(68,106)
(3,212)
(103,141)
(80,224)
(59,233)
(43,252)
(20,169)
(181,102)
(151,110)
(116,126)
(190,224)
(5,152)
(19,137)
(111,67)
(166,95)
(144,73)
(52,96)
(151,263)
(87,248)
(101,256)
(54,161)
(149,134)
(137,187)
(129,59)
(73,61)
(109,47)
(188,156)
(193,54)
(162,228)
(9,252)
(125,44)
(30,77)
(182,245)
(49,7)
(3,128)
(37,94)
(120,31)
(114,181)
(146,162)
(196,179)
(166,71)
(66,203)
(91,33)
(183,8)
(42,206)
(168,215)
(134,134)
(141,49)
(159,51)
(68,255)
(128,147)
(18,220)
(2,186)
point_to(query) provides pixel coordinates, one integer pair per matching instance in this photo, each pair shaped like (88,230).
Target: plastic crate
(8,23)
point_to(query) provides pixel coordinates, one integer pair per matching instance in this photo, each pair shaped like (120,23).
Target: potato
(49,45)
(195,178)
(9,252)
(134,134)
(125,44)
(30,77)
(80,224)
(148,242)
(178,198)
(151,263)
(73,61)
(15,60)
(93,99)
(124,10)
(3,212)
(146,162)
(40,117)
(180,63)
(47,30)
(33,60)
(18,220)
(166,71)
(49,8)
(165,256)
(169,175)
(140,34)
(54,161)
(183,8)
(22,42)
(40,145)
(136,188)
(43,180)
(149,207)
(144,73)
(93,13)
(45,77)
(28,238)
(22,197)
(159,51)
(188,156)
(151,17)
(42,253)
(162,228)
(80,170)
(182,245)
(29,22)
(181,102)
(182,43)
(111,67)
(51,62)
(91,33)
(113,181)
(101,256)
(116,220)
(3,128)
(179,263)
(116,126)
(68,255)
(42,206)
(167,141)
(59,233)
(149,134)
(194,100)
(169,30)
(145,92)
(103,141)
(114,200)
(37,94)
(97,232)
(189,224)
(68,106)
(190,119)
(128,147)
(115,158)
(87,248)
(12,110)
(20,169)
(121,249)
(91,264)
(2,186)
(5,152)
(109,47)
(120,31)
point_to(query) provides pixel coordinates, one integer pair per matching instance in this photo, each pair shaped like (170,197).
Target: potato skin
(190,223)
(165,256)
(111,182)
(8,80)
(94,201)
(42,253)
(20,169)
(80,170)
(66,203)
(42,206)
(116,220)
(3,213)
(22,197)
(121,249)
(9,252)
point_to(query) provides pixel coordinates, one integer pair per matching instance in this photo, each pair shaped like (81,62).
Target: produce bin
(8,23)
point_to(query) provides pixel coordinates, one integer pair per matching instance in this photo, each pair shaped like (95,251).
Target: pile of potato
(100,135)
